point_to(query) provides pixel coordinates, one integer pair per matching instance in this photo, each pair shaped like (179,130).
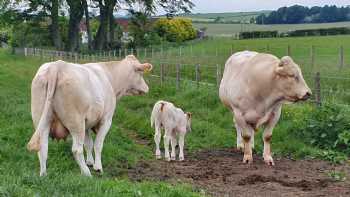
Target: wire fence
(330,82)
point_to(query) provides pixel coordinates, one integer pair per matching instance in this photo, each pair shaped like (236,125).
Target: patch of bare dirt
(222,173)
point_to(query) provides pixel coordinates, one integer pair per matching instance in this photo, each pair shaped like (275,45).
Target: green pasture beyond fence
(327,73)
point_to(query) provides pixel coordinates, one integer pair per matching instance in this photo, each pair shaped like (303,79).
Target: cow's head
(136,84)
(290,81)
(189,120)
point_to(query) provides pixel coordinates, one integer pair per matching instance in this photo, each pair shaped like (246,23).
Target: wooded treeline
(63,19)
(299,14)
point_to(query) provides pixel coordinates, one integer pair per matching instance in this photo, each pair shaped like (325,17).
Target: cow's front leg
(167,137)
(78,137)
(173,146)
(267,136)
(100,137)
(248,135)
(181,146)
(89,145)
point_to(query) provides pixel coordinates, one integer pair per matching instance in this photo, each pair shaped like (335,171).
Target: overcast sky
(206,6)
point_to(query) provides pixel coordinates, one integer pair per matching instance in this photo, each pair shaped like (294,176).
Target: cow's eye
(296,78)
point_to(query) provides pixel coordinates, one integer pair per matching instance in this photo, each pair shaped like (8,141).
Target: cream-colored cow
(254,87)
(77,99)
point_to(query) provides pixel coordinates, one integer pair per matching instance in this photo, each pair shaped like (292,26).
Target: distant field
(225,17)
(233,29)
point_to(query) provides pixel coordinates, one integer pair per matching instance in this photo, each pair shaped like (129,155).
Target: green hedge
(319,32)
(258,34)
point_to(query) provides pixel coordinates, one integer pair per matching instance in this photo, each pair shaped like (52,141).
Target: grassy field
(212,123)
(225,17)
(213,53)
(230,30)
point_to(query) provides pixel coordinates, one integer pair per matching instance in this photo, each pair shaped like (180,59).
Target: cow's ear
(146,67)
(189,115)
(281,68)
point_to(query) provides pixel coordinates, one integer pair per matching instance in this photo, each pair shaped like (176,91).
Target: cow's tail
(47,113)
(157,109)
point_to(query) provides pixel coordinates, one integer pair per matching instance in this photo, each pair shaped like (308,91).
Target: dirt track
(221,173)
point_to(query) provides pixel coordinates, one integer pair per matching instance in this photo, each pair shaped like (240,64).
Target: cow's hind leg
(100,137)
(240,145)
(267,136)
(167,137)
(247,136)
(89,145)
(157,137)
(42,154)
(78,137)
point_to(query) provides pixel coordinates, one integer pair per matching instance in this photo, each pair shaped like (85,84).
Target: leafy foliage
(175,30)
(327,128)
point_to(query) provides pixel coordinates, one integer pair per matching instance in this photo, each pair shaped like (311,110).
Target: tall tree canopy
(50,11)
(300,14)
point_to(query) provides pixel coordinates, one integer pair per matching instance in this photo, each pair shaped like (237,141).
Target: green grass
(230,30)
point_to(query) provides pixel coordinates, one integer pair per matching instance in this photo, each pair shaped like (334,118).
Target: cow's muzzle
(306,96)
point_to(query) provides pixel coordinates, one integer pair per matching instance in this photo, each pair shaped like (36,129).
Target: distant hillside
(226,17)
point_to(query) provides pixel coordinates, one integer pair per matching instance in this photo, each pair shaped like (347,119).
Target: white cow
(254,87)
(76,99)
(175,122)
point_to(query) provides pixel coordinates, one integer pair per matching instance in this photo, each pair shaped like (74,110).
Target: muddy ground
(222,173)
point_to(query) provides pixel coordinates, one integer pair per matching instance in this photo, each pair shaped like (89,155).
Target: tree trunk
(103,37)
(55,32)
(87,23)
(111,28)
(75,16)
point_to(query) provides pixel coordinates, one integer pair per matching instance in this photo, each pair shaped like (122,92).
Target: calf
(175,122)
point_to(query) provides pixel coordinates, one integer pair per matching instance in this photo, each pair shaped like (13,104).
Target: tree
(49,8)
(75,16)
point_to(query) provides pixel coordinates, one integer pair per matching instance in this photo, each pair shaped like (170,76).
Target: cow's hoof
(269,161)
(158,156)
(247,159)
(42,174)
(87,174)
(173,158)
(167,158)
(181,159)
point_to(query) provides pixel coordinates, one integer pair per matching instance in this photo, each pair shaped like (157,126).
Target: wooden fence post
(197,74)
(312,57)
(289,50)
(341,57)
(218,75)
(152,52)
(318,89)
(161,74)
(177,76)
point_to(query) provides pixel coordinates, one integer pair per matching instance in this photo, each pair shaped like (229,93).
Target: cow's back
(246,73)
